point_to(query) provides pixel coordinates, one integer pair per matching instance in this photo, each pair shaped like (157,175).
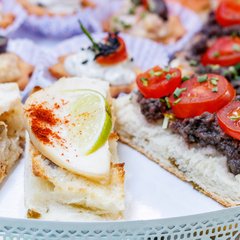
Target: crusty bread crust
(175,171)
(58,71)
(7,20)
(40,11)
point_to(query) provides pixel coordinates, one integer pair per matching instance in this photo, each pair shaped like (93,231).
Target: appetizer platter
(113,136)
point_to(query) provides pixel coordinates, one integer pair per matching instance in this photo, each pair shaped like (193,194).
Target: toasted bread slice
(12,132)
(205,168)
(47,185)
(58,71)
(14,69)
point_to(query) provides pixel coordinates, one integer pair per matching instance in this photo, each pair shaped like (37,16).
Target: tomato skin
(145,3)
(118,56)
(230,127)
(228,13)
(159,86)
(199,98)
(224,46)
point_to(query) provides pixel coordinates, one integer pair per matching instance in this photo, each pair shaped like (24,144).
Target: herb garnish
(236,47)
(178,92)
(151,72)
(234,118)
(193,63)
(214,81)
(159,73)
(202,78)
(177,101)
(144,81)
(168,76)
(102,49)
(185,78)
(167,102)
(216,54)
(215,89)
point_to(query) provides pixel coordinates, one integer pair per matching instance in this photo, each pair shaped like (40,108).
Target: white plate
(151,192)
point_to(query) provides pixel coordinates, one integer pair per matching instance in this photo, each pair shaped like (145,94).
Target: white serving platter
(157,205)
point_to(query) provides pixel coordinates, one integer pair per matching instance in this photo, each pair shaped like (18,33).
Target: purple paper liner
(30,53)
(66,26)
(20,15)
(145,53)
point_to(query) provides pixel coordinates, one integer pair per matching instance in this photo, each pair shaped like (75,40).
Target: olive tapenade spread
(202,130)
(210,31)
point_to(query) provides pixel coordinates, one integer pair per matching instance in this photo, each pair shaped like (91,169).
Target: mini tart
(41,11)
(14,69)
(166,32)
(7,19)
(58,71)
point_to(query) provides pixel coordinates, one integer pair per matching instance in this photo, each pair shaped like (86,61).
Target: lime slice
(91,116)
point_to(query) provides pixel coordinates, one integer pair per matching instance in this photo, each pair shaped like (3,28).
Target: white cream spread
(83,64)
(59,6)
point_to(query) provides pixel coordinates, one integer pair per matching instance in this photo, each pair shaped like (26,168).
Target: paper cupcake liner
(145,53)
(29,52)
(20,15)
(189,19)
(66,26)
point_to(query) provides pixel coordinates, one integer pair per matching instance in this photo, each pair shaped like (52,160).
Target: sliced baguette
(54,193)
(205,168)
(12,132)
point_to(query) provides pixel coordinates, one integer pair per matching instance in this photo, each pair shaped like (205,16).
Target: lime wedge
(91,116)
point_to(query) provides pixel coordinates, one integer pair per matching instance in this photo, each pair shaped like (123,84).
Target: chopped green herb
(132,11)
(202,78)
(225,72)
(143,15)
(166,69)
(178,92)
(234,118)
(162,100)
(177,101)
(165,122)
(214,82)
(168,76)
(236,47)
(159,73)
(144,81)
(193,63)
(152,73)
(185,78)
(125,25)
(167,102)
(216,54)
(215,89)
(214,67)
(237,67)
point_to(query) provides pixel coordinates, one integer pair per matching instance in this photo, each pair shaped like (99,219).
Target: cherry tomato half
(224,52)
(113,58)
(206,93)
(158,82)
(229,119)
(228,13)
